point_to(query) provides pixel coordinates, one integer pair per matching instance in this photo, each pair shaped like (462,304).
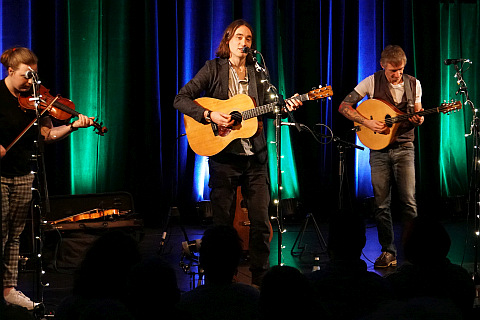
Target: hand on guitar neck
(225,120)
(417,120)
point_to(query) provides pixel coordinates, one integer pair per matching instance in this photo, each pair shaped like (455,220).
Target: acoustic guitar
(209,139)
(380,110)
(241,222)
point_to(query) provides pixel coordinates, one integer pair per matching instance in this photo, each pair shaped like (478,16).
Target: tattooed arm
(346,108)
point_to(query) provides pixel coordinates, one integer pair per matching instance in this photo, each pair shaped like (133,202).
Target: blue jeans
(394,164)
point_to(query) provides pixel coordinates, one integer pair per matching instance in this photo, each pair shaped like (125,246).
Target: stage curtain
(198,38)
(459,32)
(124,62)
(444,157)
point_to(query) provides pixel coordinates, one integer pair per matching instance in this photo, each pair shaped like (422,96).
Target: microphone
(297,125)
(453,61)
(30,73)
(247,50)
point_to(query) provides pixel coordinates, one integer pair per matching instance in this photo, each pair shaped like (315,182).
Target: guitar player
(244,161)
(396,162)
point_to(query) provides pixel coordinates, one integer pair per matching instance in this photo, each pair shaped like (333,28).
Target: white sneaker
(18,298)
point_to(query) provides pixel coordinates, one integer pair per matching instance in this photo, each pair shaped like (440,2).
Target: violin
(90,215)
(58,107)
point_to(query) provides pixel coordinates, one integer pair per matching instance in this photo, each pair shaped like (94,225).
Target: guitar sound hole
(388,120)
(237,116)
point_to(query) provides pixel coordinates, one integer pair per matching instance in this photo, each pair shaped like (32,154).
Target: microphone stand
(278,138)
(474,183)
(342,146)
(43,207)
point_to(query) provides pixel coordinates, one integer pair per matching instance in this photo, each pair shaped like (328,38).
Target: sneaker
(385,260)
(18,298)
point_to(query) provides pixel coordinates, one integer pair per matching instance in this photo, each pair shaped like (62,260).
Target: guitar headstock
(320,93)
(448,107)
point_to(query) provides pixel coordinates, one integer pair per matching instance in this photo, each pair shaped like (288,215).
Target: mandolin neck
(406,116)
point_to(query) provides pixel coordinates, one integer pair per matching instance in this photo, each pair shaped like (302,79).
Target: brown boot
(385,260)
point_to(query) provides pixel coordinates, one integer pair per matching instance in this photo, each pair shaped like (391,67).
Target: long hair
(223,51)
(14,57)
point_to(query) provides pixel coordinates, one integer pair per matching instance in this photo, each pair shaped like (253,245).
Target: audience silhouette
(220,297)
(153,290)
(100,289)
(428,272)
(286,293)
(345,288)
(113,282)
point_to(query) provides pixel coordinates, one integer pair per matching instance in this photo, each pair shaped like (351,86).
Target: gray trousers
(16,199)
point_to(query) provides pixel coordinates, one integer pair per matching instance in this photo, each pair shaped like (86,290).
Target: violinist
(16,176)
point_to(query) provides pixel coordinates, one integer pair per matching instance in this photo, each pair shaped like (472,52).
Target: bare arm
(52,133)
(346,108)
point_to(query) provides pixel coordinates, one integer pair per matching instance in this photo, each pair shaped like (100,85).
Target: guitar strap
(408,92)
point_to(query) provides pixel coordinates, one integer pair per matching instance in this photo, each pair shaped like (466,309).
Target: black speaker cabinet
(67,241)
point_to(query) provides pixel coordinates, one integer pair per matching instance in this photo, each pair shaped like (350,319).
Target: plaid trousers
(16,199)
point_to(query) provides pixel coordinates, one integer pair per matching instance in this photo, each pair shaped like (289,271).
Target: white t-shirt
(367,86)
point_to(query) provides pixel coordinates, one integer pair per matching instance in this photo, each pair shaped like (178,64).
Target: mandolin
(380,110)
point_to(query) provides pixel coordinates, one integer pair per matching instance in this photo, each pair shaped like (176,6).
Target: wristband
(72,128)
(207,117)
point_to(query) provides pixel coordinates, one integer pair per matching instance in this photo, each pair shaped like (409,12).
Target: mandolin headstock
(448,107)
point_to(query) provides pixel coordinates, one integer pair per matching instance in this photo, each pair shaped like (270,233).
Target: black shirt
(13,120)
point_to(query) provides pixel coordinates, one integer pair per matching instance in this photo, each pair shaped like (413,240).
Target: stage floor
(308,247)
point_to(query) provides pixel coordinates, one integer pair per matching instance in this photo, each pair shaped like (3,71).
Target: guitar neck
(404,117)
(258,111)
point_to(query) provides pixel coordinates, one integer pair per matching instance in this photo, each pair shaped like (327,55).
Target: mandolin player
(396,162)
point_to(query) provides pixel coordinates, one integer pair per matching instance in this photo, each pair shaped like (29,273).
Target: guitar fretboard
(258,111)
(406,116)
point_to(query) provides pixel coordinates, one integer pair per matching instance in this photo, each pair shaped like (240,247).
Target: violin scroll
(99,128)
